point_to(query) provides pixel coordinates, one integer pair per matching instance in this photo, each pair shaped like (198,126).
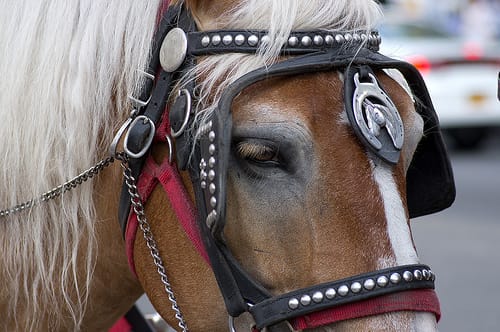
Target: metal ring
(170,149)
(112,148)
(149,140)
(178,133)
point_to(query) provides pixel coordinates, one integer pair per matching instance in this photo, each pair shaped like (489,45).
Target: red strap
(121,325)
(424,300)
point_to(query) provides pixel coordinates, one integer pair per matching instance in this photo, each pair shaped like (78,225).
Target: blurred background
(456,46)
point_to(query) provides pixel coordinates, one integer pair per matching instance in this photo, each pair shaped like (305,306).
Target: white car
(461,75)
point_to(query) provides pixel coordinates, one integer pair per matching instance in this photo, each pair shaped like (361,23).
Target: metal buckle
(179,132)
(149,140)
(138,102)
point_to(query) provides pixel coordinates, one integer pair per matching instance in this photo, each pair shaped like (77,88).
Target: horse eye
(258,153)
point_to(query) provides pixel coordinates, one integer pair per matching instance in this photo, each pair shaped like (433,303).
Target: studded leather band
(357,288)
(299,42)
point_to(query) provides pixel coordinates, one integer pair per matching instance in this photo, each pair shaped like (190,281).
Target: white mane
(65,68)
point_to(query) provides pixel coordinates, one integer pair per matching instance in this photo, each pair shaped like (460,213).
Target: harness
(374,119)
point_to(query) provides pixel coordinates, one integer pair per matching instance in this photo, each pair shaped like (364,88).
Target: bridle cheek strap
(167,175)
(422,300)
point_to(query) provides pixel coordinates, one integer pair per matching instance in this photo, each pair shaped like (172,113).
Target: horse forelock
(66,69)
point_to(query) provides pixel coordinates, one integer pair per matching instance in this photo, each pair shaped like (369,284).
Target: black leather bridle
(430,185)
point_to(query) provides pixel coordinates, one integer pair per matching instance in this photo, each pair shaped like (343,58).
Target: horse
(274,192)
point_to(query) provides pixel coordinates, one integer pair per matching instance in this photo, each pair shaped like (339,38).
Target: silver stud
(205,41)
(407,276)
(239,39)
(318,40)
(253,40)
(227,39)
(211,136)
(211,175)
(395,278)
(432,275)
(213,202)
(369,284)
(212,216)
(203,184)
(348,37)
(417,274)
(356,37)
(211,162)
(203,163)
(330,293)
(343,290)
(317,297)
(356,287)
(363,37)
(211,187)
(305,300)
(211,149)
(329,40)
(293,41)
(382,281)
(203,175)
(306,41)
(216,40)
(339,39)
(293,303)
(265,39)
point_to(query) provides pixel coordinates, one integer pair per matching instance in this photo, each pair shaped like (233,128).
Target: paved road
(462,244)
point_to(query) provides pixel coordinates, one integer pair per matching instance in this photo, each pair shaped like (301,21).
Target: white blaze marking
(397,226)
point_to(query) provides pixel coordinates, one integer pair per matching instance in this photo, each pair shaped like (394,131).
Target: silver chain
(59,190)
(136,201)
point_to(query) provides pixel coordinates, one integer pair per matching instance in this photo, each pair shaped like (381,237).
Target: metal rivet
(203,184)
(329,40)
(348,37)
(227,39)
(330,293)
(317,297)
(395,278)
(216,40)
(369,284)
(203,163)
(211,136)
(363,37)
(211,188)
(211,149)
(203,175)
(343,290)
(417,274)
(305,300)
(213,202)
(212,216)
(211,162)
(239,39)
(318,40)
(173,50)
(306,41)
(293,303)
(293,41)
(382,281)
(211,175)
(407,276)
(432,275)
(253,40)
(205,41)
(356,287)
(426,275)
(356,37)
(339,39)
(265,39)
